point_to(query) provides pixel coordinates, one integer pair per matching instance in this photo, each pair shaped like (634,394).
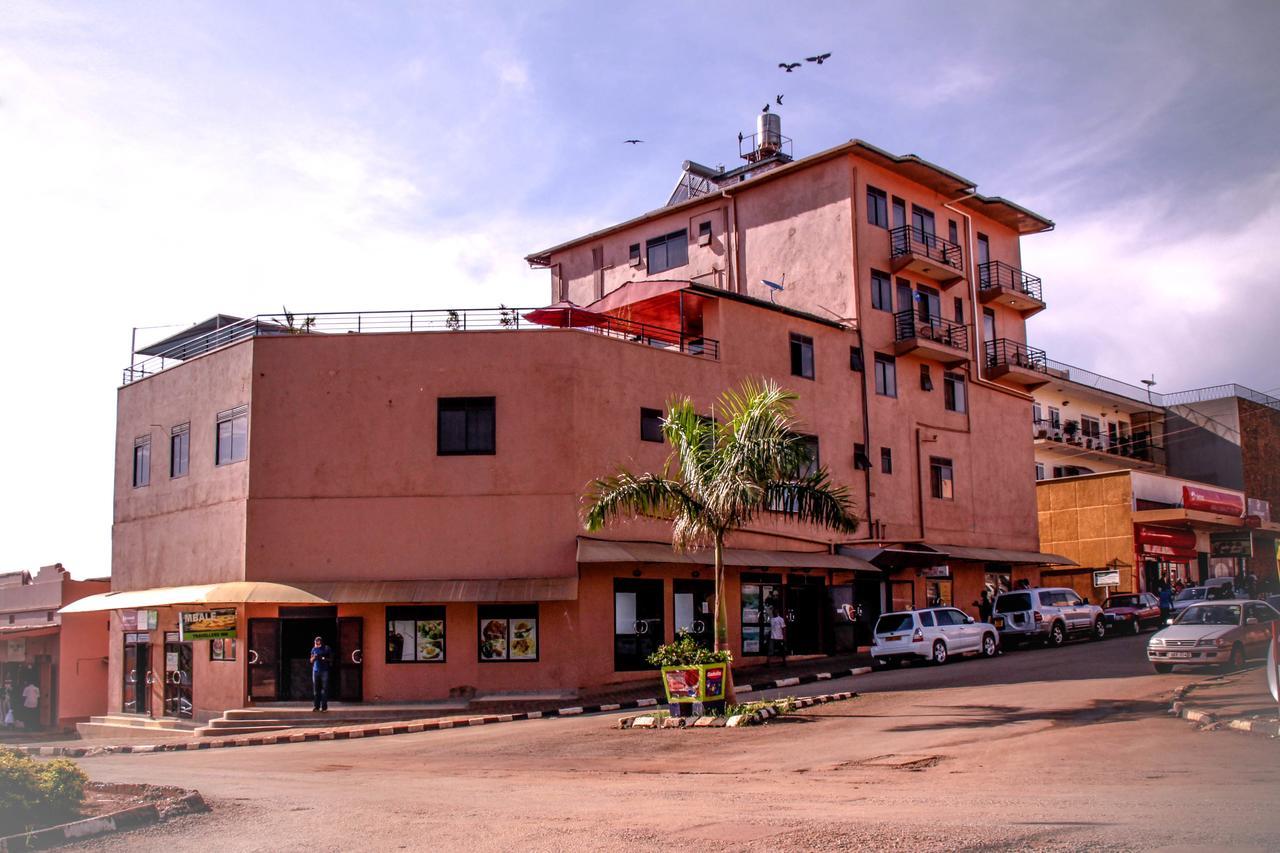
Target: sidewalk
(1239,700)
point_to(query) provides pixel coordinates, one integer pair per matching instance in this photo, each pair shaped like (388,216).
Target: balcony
(926,255)
(1016,364)
(999,282)
(930,337)
(185,346)
(1138,450)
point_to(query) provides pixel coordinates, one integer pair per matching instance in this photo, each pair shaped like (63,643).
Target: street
(1058,749)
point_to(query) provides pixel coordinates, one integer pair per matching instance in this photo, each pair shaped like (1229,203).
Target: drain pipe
(732,256)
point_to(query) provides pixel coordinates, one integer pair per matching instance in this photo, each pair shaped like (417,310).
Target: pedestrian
(1166,601)
(31,706)
(984,604)
(321,659)
(777,638)
(7,714)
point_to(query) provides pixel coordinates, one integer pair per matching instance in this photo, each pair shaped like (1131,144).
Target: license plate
(891,639)
(1179,654)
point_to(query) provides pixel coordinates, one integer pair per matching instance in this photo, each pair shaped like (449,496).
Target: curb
(131,818)
(1207,719)
(644,721)
(381,729)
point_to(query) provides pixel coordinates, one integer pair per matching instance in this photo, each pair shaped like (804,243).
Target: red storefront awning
(565,315)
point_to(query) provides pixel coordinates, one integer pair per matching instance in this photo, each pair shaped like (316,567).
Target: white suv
(934,634)
(1047,614)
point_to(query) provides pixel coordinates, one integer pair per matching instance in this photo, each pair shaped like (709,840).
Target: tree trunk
(722,619)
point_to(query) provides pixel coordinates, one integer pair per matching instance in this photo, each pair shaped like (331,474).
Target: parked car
(1189,596)
(1274,601)
(1046,614)
(1214,633)
(933,634)
(1132,612)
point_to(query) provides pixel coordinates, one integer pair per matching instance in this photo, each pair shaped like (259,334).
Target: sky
(163,162)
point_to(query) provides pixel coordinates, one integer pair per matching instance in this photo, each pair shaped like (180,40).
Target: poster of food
(431,640)
(493,639)
(682,683)
(524,639)
(208,624)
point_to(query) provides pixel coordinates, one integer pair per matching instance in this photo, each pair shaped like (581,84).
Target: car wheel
(1099,629)
(881,664)
(939,653)
(1057,635)
(1237,658)
(989,647)
(1163,667)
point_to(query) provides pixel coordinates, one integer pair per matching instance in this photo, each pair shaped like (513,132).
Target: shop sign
(139,620)
(17,649)
(943,571)
(217,624)
(1210,500)
(1260,508)
(694,682)
(1106,577)
(1231,543)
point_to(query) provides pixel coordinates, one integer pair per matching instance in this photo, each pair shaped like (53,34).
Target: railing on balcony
(1140,444)
(1006,352)
(442,320)
(1000,274)
(910,240)
(910,324)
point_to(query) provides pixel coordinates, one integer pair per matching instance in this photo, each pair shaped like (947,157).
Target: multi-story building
(408,486)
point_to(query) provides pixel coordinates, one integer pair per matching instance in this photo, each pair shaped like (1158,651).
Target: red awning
(633,292)
(565,315)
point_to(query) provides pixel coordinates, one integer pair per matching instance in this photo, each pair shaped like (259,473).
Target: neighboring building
(64,654)
(1146,527)
(408,485)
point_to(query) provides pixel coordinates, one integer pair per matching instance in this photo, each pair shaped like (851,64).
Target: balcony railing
(910,240)
(999,274)
(911,324)
(442,320)
(1009,353)
(1139,445)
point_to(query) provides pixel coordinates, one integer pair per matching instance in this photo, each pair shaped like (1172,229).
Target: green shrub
(33,794)
(686,651)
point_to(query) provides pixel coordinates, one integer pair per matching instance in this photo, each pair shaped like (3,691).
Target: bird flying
(632,141)
(766,109)
(820,58)
(779,100)
(788,66)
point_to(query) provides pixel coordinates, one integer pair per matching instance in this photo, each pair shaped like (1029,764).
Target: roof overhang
(908,556)
(232,592)
(173,346)
(630,551)
(1179,517)
(1003,555)
(23,632)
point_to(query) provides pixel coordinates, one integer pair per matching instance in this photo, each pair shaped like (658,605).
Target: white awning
(232,592)
(621,551)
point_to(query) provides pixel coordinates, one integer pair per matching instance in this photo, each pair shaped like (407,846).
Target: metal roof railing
(1088,378)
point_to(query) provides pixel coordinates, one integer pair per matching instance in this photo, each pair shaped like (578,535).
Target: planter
(689,683)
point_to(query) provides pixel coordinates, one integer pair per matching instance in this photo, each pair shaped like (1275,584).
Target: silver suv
(1047,614)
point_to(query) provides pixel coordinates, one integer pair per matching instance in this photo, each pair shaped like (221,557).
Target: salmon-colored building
(408,485)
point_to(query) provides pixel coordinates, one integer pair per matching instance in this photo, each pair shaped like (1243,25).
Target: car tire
(1163,668)
(1099,630)
(990,648)
(939,656)
(881,664)
(1057,635)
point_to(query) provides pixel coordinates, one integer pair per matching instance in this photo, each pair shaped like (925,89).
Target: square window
(508,632)
(953,392)
(941,478)
(877,207)
(179,450)
(651,425)
(465,426)
(881,291)
(886,375)
(415,634)
(141,461)
(886,460)
(232,436)
(802,356)
(668,252)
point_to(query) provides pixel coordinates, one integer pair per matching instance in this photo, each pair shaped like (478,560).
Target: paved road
(1060,749)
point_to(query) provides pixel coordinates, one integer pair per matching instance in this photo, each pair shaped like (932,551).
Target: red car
(1132,612)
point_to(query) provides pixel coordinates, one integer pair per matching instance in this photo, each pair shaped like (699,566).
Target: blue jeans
(320,690)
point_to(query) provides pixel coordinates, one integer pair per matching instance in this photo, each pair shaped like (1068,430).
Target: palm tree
(729,471)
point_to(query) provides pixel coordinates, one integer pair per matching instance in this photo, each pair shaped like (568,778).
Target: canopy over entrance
(622,551)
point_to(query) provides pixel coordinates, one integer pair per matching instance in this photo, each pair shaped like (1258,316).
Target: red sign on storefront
(1209,500)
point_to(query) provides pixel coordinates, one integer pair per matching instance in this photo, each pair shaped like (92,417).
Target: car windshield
(1191,593)
(1122,601)
(891,622)
(1013,602)
(1211,614)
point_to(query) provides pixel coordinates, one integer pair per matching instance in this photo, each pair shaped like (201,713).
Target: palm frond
(813,499)
(625,495)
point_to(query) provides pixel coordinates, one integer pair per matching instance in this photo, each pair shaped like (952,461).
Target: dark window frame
(141,477)
(886,375)
(509,613)
(648,418)
(668,261)
(468,406)
(955,397)
(886,460)
(231,417)
(926,378)
(861,461)
(942,478)
(800,346)
(416,614)
(856,362)
(877,207)
(881,291)
(180,449)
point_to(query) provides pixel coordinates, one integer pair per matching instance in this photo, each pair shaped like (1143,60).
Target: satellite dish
(774,287)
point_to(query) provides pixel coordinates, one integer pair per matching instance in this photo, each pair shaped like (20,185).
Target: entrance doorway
(136,696)
(694,608)
(805,608)
(177,677)
(280,654)
(638,625)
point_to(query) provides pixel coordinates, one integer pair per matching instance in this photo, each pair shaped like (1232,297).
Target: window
(941,478)
(179,450)
(881,291)
(926,378)
(141,461)
(232,444)
(704,233)
(926,618)
(988,324)
(1039,471)
(802,356)
(886,375)
(937,593)
(415,635)
(668,252)
(953,233)
(855,359)
(784,501)
(984,250)
(953,392)
(224,649)
(508,633)
(465,426)
(922,220)
(959,306)
(877,207)
(1090,427)
(860,459)
(633,255)
(1037,413)
(651,425)
(886,460)
(1055,418)
(899,212)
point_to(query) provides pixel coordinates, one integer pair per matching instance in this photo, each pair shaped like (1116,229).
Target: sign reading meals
(217,624)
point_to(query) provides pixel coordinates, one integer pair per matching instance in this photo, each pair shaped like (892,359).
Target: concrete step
(210,731)
(143,734)
(142,722)
(303,712)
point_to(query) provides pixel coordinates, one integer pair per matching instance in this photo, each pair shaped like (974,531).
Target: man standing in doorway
(31,706)
(777,637)
(321,658)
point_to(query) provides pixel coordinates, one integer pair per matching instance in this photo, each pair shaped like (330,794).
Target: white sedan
(932,634)
(1214,633)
